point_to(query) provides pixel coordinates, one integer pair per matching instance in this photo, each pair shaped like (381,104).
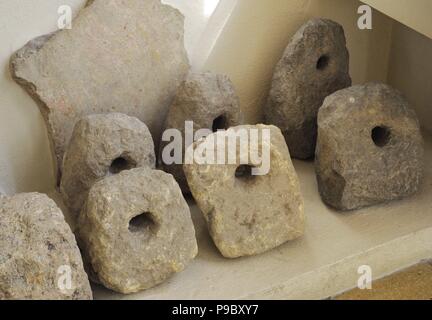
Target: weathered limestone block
(249,214)
(370,149)
(38,252)
(210,101)
(119,56)
(136,230)
(103,145)
(314,65)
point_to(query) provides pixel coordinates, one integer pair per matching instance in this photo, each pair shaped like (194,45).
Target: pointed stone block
(210,101)
(314,65)
(370,149)
(119,56)
(103,145)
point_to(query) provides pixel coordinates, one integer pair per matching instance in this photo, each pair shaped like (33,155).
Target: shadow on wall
(410,70)
(258,32)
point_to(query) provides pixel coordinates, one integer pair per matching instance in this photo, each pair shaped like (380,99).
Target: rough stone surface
(103,145)
(119,56)
(314,65)
(248,215)
(35,244)
(136,230)
(210,101)
(370,149)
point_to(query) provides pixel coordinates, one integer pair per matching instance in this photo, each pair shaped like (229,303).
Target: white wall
(25,160)
(258,32)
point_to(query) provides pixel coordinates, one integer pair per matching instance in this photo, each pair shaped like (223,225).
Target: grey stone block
(103,145)
(39,257)
(136,230)
(246,214)
(370,148)
(210,101)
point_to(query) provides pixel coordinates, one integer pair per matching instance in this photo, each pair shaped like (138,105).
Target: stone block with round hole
(314,65)
(136,230)
(210,102)
(248,214)
(370,148)
(103,145)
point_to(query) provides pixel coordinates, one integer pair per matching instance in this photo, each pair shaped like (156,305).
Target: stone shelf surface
(322,264)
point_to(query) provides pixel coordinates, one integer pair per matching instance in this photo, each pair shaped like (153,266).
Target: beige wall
(258,32)
(410,70)
(25,160)
(414,13)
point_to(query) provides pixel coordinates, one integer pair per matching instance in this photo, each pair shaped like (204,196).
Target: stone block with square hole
(136,230)
(210,101)
(103,145)
(314,65)
(248,214)
(370,148)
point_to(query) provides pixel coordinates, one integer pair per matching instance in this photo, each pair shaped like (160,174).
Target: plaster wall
(410,70)
(258,32)
(413,13)
(25,159)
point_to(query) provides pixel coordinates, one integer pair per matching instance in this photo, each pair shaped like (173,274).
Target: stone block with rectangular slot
(136,230)
(370,148)
(248,214)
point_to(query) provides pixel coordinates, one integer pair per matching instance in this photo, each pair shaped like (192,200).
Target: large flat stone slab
(119,56)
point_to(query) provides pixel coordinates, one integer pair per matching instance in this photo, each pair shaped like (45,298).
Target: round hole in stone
(381,136)
(323,62)
(244,173)
(143,222)
(120,164)
(220,123)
